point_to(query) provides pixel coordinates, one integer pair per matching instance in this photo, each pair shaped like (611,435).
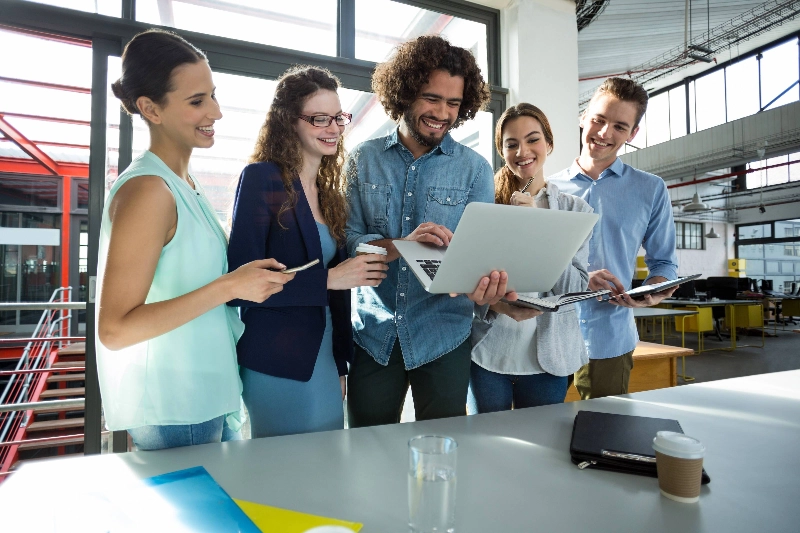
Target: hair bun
(127,104)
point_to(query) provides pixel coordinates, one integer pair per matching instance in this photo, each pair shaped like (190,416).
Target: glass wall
(772,251)
(789,170)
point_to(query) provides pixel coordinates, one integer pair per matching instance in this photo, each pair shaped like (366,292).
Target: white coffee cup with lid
(365,248)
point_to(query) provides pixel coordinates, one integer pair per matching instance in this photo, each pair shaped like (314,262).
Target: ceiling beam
(11,165)
(28,147)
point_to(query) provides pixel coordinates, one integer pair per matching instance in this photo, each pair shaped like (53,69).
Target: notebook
(553,303)
(620,443)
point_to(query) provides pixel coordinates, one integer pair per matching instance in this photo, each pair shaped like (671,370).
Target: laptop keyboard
(430,266)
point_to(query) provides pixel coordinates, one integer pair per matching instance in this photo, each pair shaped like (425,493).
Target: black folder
(620,443)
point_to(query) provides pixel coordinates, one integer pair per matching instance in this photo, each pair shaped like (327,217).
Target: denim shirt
(390,193)
(635,211)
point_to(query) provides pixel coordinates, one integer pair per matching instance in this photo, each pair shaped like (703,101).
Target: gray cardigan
(560,349)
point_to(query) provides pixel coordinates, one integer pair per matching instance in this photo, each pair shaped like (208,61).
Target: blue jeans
(490,391)
(147,438)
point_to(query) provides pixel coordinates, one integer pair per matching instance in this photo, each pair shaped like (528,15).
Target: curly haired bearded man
(414,184)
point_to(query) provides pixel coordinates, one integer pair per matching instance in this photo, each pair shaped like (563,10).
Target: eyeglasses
(323,121)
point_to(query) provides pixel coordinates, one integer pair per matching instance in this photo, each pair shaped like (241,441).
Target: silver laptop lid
(534,246)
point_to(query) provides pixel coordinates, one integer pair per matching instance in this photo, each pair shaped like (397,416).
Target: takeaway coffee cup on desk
(679,461)
(364,249)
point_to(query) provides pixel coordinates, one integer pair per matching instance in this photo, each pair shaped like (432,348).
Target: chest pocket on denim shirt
(376,205)
(445,205)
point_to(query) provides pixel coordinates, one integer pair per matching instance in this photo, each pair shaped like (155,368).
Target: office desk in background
(730,313)
(654,367)
(645,313)
(514,469)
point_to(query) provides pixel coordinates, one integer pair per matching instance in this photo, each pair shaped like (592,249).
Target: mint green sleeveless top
(189,375)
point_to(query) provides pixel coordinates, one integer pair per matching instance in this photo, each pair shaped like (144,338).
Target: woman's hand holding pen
(363,270)
(523,199)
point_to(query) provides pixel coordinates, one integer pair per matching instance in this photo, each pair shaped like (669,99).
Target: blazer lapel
(305,221)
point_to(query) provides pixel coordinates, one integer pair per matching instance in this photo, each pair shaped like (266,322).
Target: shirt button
(399,317)
(411,194)
(413,167)
(374,186)
(408,218)
(404,269)
(402,294)
(448,198)
(583,322)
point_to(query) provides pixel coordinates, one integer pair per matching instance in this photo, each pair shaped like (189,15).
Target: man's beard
(411,122)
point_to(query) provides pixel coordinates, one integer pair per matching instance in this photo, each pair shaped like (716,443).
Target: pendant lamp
(696,205)
(711,233)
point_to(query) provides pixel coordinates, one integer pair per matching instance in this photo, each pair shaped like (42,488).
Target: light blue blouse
(190,374)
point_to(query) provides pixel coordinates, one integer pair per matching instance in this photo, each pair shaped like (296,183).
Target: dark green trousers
(376,393)
(604,377)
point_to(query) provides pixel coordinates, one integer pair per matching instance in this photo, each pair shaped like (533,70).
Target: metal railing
(34,366)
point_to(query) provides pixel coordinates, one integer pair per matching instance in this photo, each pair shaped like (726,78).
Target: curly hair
(397,82)
(279,143)
(504,179)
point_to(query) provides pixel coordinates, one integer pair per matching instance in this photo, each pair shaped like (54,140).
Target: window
(775,255)
(677,112)
(779,70)
(308,26)
(689,236)
(111,8)
(658,119)
(742,88)
(710,105)
(382,24)
(764,176)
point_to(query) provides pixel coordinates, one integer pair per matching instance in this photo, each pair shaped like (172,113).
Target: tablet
(639,292)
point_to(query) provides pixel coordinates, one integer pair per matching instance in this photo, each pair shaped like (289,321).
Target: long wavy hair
(505,180)
(279,143)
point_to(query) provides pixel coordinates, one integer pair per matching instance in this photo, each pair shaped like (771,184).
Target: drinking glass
(432,484)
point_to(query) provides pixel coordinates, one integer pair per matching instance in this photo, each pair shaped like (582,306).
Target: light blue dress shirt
(390,193)
(635,211)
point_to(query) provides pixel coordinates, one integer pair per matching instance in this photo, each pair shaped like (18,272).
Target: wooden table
(654,367)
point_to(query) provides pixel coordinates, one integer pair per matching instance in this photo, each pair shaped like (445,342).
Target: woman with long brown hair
(290,205)
(521,357)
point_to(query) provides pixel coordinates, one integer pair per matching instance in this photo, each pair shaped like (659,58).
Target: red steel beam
(23,166)
(28,147)
(46,85)
(50,119)
(87,43)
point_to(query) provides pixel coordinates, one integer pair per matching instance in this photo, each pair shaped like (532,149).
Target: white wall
(540,66)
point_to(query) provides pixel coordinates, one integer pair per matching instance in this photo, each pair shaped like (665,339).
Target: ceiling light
(712,234)
(696,205)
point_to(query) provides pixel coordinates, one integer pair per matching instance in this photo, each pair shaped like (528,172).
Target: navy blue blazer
(283,335)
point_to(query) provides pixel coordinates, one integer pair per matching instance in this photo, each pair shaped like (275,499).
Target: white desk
(514,471)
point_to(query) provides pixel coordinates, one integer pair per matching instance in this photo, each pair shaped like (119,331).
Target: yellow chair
(744,316)
(701,322)
(790,308)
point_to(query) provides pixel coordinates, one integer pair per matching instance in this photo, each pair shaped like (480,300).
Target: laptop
(533,246)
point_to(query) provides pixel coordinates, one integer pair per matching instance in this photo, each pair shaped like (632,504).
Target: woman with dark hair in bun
(166,341)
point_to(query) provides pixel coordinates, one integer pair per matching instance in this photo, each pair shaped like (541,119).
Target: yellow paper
(273,519)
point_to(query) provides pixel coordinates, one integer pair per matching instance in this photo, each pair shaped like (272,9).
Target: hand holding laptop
(490,289)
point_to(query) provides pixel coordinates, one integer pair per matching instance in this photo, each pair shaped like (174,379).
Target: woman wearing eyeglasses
(290,205)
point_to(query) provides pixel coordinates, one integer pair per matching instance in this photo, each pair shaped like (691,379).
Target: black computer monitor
(700,285)
(744,284)
(766,284)
(685,290)
(723,288)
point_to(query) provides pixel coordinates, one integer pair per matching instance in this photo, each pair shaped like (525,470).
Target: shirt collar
(446,146)
(617,167)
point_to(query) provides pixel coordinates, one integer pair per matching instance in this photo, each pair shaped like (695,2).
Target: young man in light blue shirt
(413,184)
(635,211)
